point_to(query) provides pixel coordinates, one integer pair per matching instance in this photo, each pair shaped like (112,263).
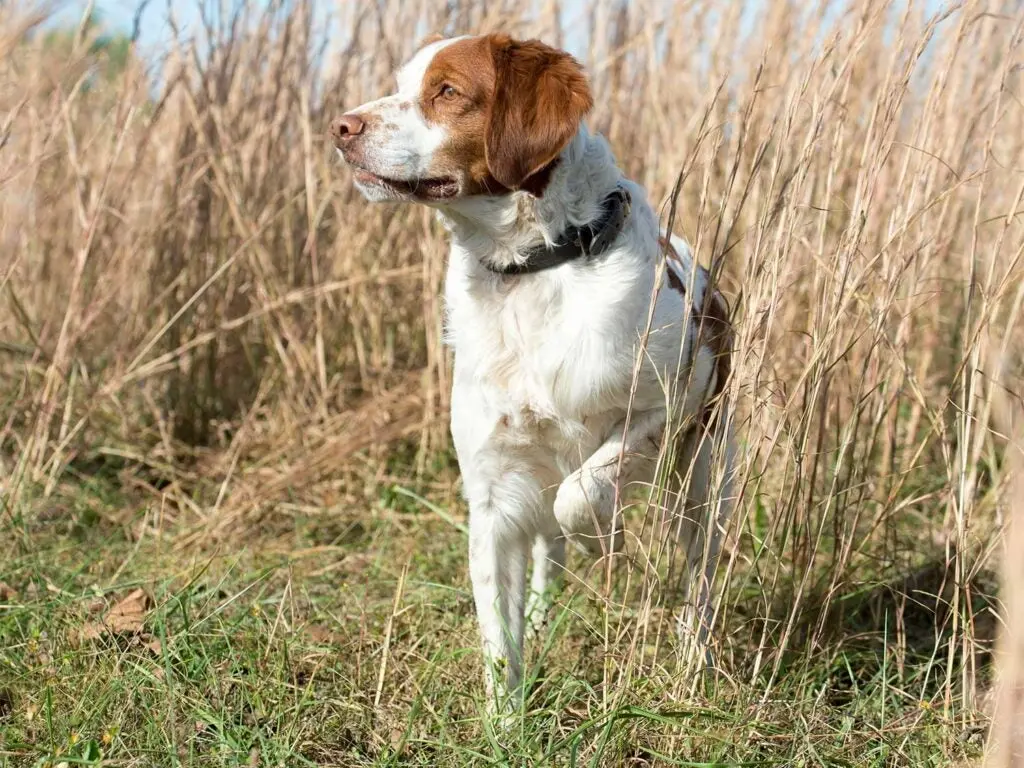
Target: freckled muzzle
(352,134)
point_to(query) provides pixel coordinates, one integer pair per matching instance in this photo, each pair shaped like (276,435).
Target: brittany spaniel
(578,328)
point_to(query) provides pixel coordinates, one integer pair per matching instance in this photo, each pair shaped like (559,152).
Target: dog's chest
(538,347)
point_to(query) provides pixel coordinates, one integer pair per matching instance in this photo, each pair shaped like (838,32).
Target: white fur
(544,368)
(405,149)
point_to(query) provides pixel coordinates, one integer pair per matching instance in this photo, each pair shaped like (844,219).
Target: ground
(346,636)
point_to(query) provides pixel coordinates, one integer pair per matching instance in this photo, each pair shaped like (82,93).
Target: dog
(578,327)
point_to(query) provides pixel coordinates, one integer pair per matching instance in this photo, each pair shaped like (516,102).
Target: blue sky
(155,32)
(119,15)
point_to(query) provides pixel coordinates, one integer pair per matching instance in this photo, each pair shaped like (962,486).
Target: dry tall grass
(191,290)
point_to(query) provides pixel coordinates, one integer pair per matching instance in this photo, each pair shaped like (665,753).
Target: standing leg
(547,577)
(502,481)
(498,554)
(708,458)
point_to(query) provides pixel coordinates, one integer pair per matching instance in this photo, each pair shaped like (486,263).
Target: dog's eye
(448,91)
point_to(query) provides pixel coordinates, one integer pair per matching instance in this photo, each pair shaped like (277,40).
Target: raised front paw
(585,510)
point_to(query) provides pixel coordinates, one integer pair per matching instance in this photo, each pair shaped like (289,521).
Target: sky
(119,15)
(154,31)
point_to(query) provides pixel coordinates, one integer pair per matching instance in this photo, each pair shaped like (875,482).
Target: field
(231,531)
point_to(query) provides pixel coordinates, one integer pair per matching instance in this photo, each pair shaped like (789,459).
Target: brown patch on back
(714,330)
(671,255)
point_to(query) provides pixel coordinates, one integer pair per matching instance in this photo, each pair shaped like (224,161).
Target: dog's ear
(540,97)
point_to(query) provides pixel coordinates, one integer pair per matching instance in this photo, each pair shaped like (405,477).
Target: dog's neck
(494,232)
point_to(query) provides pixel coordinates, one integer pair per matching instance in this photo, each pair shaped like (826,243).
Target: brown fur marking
(674,280)
(515,106)
(468,67)
(714,328)
(540,97)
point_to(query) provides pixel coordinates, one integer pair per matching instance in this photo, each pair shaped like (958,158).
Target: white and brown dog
(565,373)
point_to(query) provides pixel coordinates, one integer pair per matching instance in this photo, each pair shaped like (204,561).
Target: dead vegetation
(197,308)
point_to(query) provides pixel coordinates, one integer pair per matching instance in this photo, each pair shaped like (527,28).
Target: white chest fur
(545,343)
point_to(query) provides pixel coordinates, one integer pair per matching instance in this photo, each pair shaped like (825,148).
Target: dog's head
(471,116)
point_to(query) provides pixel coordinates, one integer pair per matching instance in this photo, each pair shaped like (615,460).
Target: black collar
(587,241)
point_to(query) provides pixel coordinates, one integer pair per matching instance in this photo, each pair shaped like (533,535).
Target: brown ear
(540,97)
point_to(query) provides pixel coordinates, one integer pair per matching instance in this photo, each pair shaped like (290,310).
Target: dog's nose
(347,126)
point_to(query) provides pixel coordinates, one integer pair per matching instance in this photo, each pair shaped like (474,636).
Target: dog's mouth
(440,188)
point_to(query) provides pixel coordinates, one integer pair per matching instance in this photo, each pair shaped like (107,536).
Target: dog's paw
(585,510)
(693,636)
(536,615)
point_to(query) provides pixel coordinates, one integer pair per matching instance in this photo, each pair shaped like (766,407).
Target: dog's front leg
(503,486)
(548,575)
(499,548)
(585,502)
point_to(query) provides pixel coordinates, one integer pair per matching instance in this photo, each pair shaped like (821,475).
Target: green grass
(222,382)
(304,645)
